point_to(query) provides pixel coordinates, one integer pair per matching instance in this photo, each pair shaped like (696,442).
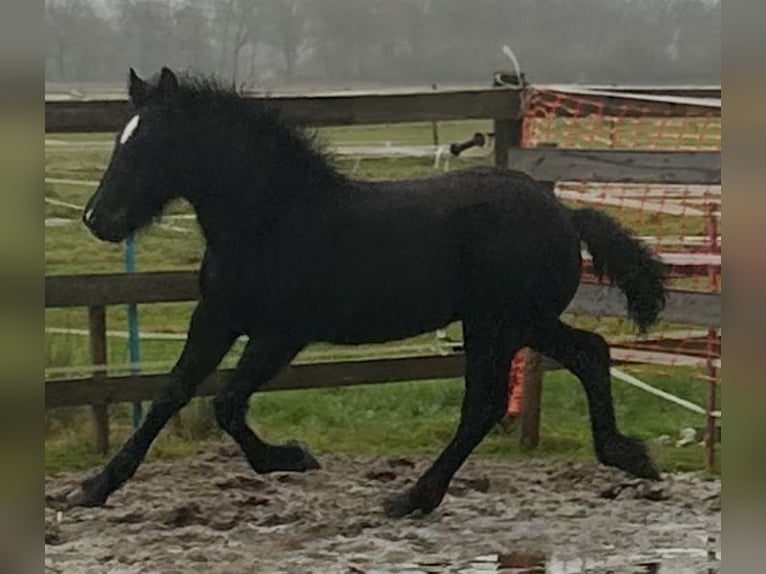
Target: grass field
(401,418)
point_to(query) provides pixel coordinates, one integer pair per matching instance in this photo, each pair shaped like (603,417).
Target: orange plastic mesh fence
(681,223)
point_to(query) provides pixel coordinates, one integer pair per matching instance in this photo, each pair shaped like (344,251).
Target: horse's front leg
(210,337)
(264,357)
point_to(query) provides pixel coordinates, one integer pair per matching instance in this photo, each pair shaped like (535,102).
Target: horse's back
(518,249)
(491,235)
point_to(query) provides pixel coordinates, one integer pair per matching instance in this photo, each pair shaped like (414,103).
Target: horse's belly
(357,315)
(359,331)
(357,321)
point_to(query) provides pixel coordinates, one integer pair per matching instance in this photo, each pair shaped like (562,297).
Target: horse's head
(146,166)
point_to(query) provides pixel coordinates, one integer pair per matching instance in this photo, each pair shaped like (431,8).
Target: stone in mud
(276,519)
(461,486)
(182,515)
(224,522)
(197,556)
(325,531)
(241,482)
(649,491)
(53,535)
(380,475)
(571,511)
(228,451)
(130,517)
(253,501)
(627,493)
(57,500)
(520,560)
(611,492)
(400,461)
(288,478)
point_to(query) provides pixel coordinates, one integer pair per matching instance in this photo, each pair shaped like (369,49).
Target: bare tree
(414,41)
(73,29)
(236,22)
(192,24)
(285,30)
(147,31)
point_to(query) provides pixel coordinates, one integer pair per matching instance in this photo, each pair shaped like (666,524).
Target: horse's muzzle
(112,227)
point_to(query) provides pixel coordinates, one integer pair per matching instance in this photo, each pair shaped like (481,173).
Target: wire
(508,52)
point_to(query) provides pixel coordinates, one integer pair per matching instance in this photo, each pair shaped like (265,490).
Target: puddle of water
(671,560)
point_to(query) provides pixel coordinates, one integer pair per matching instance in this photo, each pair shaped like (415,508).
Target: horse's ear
(168,85)
(138,90)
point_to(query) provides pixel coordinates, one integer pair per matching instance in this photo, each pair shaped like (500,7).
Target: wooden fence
(503,106)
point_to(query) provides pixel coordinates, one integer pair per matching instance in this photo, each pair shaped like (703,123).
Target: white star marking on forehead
(130,127)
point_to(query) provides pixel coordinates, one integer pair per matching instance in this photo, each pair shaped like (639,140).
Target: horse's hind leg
(262,359)
(586,355)
(489,349)
(210,337)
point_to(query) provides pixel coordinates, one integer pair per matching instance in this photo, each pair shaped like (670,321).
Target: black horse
(298,253)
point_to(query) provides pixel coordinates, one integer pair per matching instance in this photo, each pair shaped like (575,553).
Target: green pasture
(416,417)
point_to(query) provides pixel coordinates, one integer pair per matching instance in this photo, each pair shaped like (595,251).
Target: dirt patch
(211,513)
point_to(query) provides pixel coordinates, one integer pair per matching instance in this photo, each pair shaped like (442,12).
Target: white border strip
(631,380)
(628,355)
(680,259)
(683,100)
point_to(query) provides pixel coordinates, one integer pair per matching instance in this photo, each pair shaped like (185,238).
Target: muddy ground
(211,513)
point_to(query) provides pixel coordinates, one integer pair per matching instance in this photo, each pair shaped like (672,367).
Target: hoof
(84,496)
(307,460)
(292,456)
(410,501)
(631,455)
(399,505)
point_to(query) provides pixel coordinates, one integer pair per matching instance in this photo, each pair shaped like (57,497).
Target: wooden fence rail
(319,110)
(503,106)
(101,290)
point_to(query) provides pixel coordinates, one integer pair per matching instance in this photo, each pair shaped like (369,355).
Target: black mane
(281,163)
(208,95)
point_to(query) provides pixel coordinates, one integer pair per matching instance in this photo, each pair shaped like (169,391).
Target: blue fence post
(134,345)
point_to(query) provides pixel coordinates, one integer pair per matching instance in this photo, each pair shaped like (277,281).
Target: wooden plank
(71,392)
(689,307)
(120,288)
(610,166)
(98,356)
(318,110)
(685,307)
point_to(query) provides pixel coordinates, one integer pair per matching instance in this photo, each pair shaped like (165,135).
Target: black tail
(626,261)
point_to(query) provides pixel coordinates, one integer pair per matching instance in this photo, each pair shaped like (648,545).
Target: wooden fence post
(98,357)
(531,400)
(508,135)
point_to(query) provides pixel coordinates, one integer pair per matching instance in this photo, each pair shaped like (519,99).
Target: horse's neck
(230,223)
(241,204)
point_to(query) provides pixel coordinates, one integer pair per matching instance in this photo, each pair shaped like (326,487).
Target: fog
(272,44)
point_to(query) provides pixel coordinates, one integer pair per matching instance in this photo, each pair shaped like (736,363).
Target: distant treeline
(257,43)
